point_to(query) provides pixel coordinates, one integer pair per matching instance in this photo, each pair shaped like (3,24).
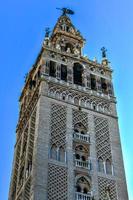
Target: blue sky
(102,23)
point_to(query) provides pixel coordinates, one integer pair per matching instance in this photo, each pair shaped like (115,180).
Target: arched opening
(81,153)
(78,188)
(80,128)
(83,185)
(100,165)
(52,71)
(104,85)
(82,132)
(93,82)
(83,158)
(63,72)
(69,48)
(85,191)
(78,74)
(108,167)
(63,96)
(82,103)
(57,95)
(77,156)
(76,101)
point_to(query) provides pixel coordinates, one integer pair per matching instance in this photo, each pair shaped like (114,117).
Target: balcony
(83,164)
(81,137)
(81,196)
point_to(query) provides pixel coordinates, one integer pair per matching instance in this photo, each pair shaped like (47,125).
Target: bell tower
(67,138)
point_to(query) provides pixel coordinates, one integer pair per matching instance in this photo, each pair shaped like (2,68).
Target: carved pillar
(98,83)
(70,75)
(47,66)
(110,89)
(84,81)
(88,81)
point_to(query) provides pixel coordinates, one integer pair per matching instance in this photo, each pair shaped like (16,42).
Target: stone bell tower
(67,138)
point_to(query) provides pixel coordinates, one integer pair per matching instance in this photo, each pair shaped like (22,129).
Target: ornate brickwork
(57,183)
(81,99)
(107,188)
(80,117)
(103,146)
(25,114)
(27,190)
(58,125)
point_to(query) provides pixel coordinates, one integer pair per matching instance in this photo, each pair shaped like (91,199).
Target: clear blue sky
(102,23)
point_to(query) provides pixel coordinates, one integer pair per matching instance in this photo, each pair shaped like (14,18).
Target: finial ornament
(66,11)
(47,32)
(104,50)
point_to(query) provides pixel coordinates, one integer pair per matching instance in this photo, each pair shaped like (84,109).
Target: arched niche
(69,48)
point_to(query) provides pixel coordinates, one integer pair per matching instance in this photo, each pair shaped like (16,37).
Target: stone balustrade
(83,164)
(81,196)
(81,137)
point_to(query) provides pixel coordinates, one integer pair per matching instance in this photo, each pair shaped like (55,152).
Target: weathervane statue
(66,11)
(104,50)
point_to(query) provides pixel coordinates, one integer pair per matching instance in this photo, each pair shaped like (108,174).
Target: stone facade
(67,138)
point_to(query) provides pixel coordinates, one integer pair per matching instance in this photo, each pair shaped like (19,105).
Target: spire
(65,37)
(65,25)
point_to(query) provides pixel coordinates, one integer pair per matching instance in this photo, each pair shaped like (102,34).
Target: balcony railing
(83,164)
(81,196)
(81,137)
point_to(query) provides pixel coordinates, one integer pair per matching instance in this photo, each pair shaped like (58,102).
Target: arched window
(57,95)
(76,101)
(61,154)
(52,71)
(63,72)
(77,156)
(82,102)
(78,74)
(70,98)
(93,82)
(85,191)
(69,48)
(83,158)
(81,153)
(53,152)
(83,185)
(100,165)
(78,188)
(108,167)
(63,96)
(104,85)
(80,128)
